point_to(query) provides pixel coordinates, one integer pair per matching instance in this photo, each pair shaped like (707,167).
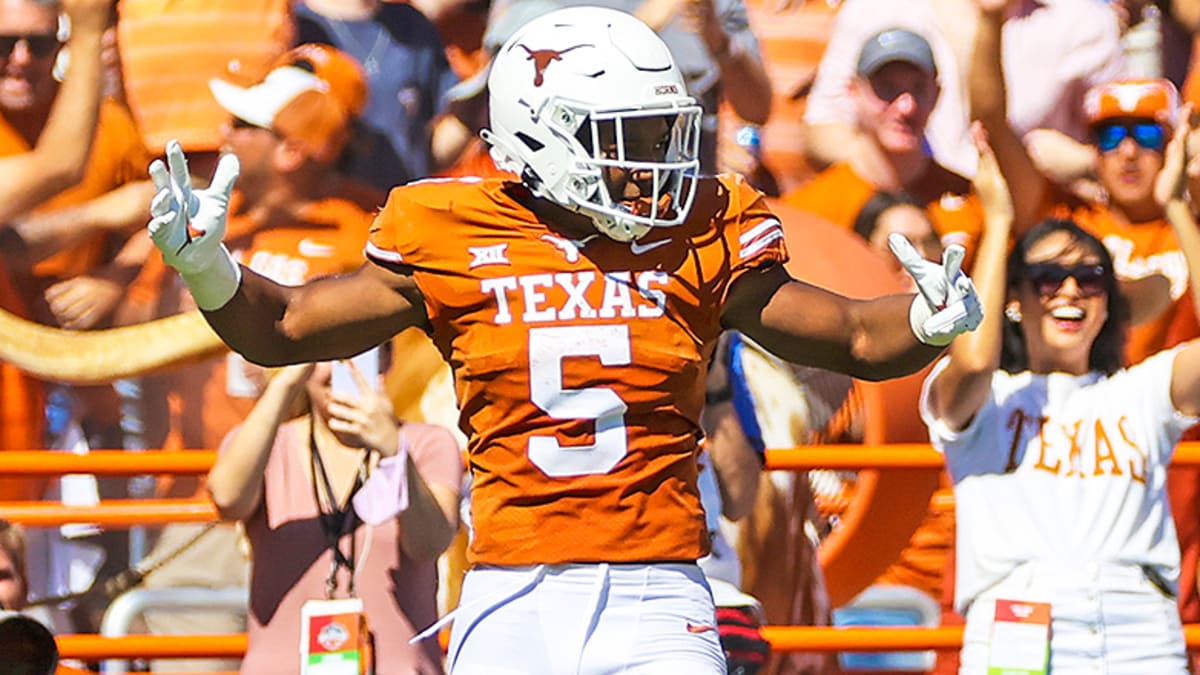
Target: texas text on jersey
(578,365)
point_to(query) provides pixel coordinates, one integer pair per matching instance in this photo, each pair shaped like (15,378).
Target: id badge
(1020,643)
(334,639)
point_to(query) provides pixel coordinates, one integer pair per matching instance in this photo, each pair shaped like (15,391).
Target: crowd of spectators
(858,113)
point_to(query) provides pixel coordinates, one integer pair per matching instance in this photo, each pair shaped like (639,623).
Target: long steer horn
(100,356)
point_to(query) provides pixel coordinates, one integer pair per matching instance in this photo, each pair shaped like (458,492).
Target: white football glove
(947,304)
(190,238)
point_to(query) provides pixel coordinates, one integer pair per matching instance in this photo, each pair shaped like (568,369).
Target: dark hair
(1107,350)
(12,543)
(868,216)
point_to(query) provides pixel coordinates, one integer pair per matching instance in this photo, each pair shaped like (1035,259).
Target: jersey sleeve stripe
(384,255)
(758,230)
(752,248)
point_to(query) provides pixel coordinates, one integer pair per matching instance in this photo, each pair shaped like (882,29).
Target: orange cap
(294,103)
(1152,99)
(346,78)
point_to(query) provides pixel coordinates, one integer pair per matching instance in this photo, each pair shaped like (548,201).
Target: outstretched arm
(807,325)
(328,318)
(870,339)
(268,323)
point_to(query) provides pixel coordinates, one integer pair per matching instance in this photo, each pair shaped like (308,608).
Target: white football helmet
(570,75)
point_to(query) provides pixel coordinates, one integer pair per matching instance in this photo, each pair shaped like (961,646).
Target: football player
(578,304)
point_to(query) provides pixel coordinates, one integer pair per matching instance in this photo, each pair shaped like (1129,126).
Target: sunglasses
(1047,278)
(888,91)
(1148,135)
(39,45)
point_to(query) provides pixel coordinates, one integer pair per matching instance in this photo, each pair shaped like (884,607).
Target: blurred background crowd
(853,116)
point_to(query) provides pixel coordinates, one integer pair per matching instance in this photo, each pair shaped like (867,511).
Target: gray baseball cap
(896,44)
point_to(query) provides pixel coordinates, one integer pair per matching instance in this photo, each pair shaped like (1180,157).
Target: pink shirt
(292,560)
(1053,51)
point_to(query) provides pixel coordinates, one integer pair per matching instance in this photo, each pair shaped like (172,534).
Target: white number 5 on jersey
(547,349)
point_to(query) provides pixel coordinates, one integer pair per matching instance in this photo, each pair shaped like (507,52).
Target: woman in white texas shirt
(1059,457)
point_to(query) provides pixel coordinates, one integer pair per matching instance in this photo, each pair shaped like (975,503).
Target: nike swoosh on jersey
(311,249)
(700,628)
(639,248)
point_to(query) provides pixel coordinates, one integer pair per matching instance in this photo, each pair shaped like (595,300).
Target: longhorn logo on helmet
(542,58)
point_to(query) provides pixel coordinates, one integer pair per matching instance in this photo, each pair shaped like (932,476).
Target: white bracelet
(216,284)
(918,313)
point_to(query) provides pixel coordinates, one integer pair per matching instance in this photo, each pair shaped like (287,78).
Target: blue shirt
(408,76)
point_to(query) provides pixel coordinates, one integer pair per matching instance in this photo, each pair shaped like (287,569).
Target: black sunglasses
(40,45)
(1047,278)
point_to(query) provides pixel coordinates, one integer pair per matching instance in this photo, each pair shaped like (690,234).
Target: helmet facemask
(604,160)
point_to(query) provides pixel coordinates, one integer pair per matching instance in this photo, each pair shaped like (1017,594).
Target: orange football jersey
(579,366)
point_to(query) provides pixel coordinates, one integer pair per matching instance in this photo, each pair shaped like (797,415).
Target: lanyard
(339,518)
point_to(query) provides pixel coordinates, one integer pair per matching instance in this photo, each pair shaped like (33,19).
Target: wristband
(919,312)
(214,286)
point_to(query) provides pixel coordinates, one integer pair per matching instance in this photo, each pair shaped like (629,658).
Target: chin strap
(614,227)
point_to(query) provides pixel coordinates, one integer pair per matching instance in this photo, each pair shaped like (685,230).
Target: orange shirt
(22,401)
(578,368)
(837,194)
(117,157)
(170,49)
(1139,250)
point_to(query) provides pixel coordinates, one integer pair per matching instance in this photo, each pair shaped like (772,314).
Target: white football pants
(586,619)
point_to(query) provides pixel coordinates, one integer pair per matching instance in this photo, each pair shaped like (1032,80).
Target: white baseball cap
(294,103)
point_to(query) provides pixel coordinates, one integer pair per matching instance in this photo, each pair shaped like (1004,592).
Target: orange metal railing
(118,513)
(782,639)
(840,457)
(104,462)
(130,512)
(96,647)
(897,456)
(113,513)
